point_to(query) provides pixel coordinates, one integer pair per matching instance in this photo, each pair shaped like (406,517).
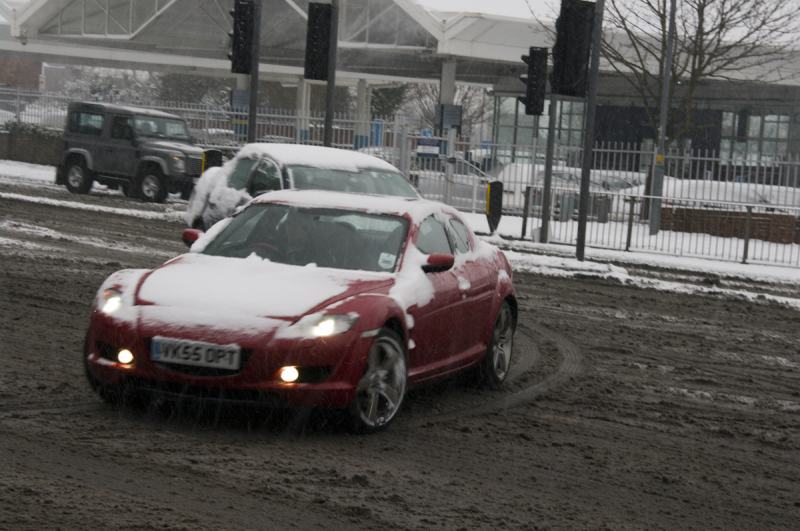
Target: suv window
(432,237)
(460,236)
(266,178)
(122,128)
(86,123)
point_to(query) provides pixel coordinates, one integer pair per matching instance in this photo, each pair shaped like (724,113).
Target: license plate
(195,353)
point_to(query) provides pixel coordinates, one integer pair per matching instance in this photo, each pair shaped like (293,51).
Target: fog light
(289,374)
(125,356)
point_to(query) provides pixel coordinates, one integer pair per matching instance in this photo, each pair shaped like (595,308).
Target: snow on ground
(168,215)
(613,234)
(28,172)
(757,272)
(27,229)
(571,267)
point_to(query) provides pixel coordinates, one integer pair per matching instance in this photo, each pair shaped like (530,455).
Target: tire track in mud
(537,336)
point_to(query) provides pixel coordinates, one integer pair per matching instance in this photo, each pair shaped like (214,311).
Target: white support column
(363,105)
(447,83)
(303,111)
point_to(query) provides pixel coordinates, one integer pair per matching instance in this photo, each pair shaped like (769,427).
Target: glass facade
(514,127)
(766,141)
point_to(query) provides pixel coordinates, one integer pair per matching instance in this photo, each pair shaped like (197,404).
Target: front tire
(151,186)
(380,392)
(78,179)
(497,362)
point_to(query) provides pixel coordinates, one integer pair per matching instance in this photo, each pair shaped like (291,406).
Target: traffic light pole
(658,167)
(252,118)
(548,168)
(588,134)
(327,138)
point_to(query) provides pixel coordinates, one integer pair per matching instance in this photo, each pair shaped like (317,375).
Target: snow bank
(569,267)
(28,172)
(167,215)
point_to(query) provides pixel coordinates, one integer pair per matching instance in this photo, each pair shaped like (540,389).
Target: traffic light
(318,41)
(535,81)
(241,54)
(573,44)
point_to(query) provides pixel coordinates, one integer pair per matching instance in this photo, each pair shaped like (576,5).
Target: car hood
(172,145)
(252,287)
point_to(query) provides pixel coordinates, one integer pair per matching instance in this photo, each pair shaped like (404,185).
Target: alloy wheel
(381,390)
(502,342)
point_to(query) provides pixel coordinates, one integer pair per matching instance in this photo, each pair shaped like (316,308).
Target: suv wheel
(151,186)
(78,180)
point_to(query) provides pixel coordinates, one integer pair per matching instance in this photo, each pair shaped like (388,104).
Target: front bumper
(337,364)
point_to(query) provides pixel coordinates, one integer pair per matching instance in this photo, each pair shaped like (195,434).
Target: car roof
(415,208)
(316,156)
(122,109)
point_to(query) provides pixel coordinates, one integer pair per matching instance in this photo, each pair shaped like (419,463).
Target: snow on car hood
(251,286)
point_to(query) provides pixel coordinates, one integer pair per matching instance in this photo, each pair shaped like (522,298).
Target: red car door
(436,325)
(476,282)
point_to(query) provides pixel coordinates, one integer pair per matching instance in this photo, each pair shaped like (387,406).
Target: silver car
(260,168)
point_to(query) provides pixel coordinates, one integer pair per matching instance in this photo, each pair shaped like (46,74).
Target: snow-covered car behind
(260,168)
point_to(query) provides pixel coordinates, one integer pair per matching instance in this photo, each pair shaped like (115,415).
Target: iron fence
(745,208)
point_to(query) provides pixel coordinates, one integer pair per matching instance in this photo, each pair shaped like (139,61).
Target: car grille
(194,165)
(182,391)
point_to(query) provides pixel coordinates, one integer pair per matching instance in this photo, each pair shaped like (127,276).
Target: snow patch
(168,215)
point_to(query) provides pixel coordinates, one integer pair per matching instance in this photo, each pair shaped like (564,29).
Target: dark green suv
(146,153)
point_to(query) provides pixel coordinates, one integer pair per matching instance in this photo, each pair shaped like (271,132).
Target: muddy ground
(628,409)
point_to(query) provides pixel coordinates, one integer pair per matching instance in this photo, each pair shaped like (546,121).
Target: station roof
(379,40)
(382,41)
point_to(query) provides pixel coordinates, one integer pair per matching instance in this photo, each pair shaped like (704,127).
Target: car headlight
(178,162)
(321,325)
(112,301)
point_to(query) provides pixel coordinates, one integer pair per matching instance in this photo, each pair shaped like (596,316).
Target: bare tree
(423,98)
(715,39)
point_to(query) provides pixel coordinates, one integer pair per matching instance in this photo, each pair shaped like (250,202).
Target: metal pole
(631,213)
(327,138)
(747,223)
(450,166)
(658,168)
(526,210)
(588,134)
(548,169)
(252,117)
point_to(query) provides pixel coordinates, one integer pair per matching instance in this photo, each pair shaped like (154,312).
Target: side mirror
(190,236)
(438,262)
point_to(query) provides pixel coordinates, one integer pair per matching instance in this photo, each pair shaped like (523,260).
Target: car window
(122,128)
(265,179)
(86,123)
(460,236)
(241,172)
(432,237)
(364,181)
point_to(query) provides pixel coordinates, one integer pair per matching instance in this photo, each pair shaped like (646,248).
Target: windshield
(365,181)
(240,173)
(156,127)
(340,239)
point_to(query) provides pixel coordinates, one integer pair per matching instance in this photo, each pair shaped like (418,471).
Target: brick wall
(19,72)
(767,226)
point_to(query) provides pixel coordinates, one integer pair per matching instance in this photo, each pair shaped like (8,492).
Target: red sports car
(309,298)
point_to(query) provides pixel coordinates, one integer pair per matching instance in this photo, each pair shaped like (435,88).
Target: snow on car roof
(316,156)
(416,208)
